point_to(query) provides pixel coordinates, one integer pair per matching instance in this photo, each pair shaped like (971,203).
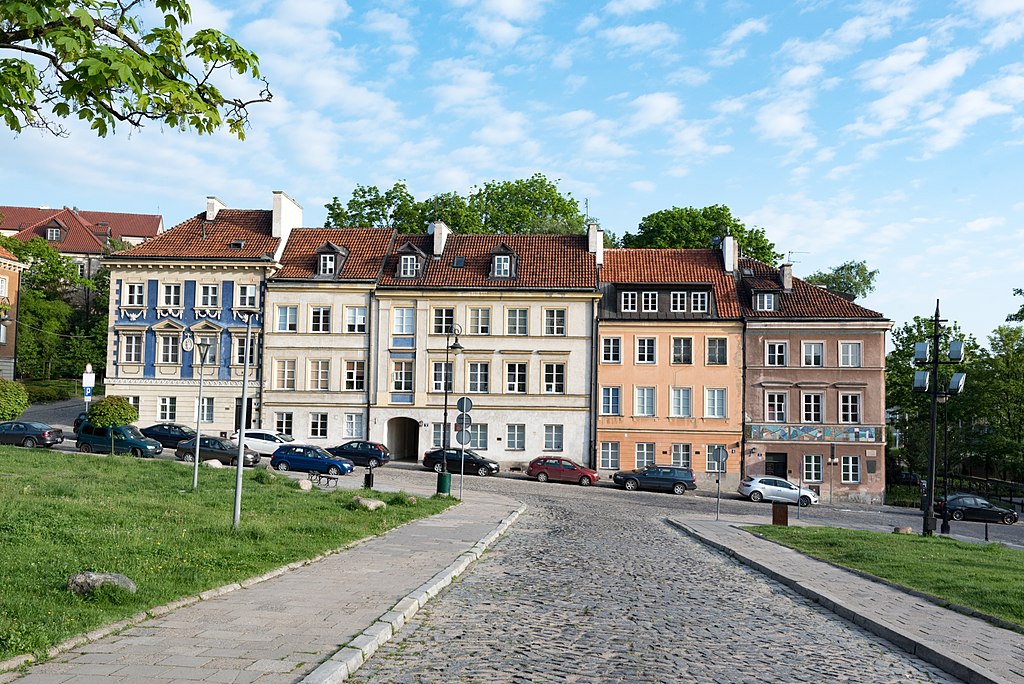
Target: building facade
(10,284)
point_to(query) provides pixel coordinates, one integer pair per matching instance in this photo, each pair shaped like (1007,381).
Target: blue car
(309,459)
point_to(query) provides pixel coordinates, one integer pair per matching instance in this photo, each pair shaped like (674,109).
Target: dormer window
(411,260)
(327,263)
(330,260)
(502,266)
(410,268)
(764,301)
(53,234)
(503,262)
(628,303)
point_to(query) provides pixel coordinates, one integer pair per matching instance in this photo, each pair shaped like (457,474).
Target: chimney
(786,277)
(730,254)
(440,231)
(213,205)
(595,242)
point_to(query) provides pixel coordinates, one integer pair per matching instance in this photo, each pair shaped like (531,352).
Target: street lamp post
(444,478)
(203,346)
(833,460)
(243,419)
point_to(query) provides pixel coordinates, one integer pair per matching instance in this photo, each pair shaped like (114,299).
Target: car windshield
(133,432)
(38,426)
(286,438)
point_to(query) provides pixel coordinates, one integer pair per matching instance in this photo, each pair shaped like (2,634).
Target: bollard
(780,513)
(444,483)
(368,479)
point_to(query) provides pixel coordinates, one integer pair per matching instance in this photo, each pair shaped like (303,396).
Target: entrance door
(238,413)
(403,439)
(775,464)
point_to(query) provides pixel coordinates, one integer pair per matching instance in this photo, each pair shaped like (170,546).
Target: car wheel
(438,468)
(805,501)
(283,466)
(585,481)
(29,442)
(483,471)
(136,452)
(756,496)
(957,515)
(373,463)
(1009,519)
(542,477)
(189,457)
(678,488)
(85,448)
(632,485)
(333,470)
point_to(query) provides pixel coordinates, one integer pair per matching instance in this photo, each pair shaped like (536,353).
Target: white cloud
(689,140)
(390,24)
(785,120)
(874,23)
(645,38)
(643,186)
(654,109)
(967,110)
(622,7)
(574,120)
(744,30)
(800,76)
(504,129)
(691,76)
(985,224)
(602,146)
(467,88)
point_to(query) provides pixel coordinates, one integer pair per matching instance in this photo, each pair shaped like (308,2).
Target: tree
(691,228)
(43,332)
(95,59)
(999,377)
(13,399)
(532,205)
(111,412)
(1019,315)
(851,278)
(49,272)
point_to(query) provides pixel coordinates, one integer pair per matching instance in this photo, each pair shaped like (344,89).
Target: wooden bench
(325,479)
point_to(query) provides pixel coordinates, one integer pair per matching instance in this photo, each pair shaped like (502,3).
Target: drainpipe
(595,346)
(260,347)
(372,311)
(743,400)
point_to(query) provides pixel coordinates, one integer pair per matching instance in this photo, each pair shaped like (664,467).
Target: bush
(13,399)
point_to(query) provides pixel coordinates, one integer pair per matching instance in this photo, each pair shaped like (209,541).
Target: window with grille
(404,321)
(646,350)
(611,350)
(320,374)
(714,403)
(682,350)
(554,378)
(775,353)
(517,322)
(644,405)
(284,374)
(611,401)
(609,455)
(135,294)
(554,322)
(814,354)
(355,375)
(320,319)
(681,402)
(628,302)
(287,319)
(170,346)
(849,408)
(553,437)
(678,302)
(318,425)
(515,378)
(813,407)
(172,294)
(442,375)
(479,321)
(168,410)
(649,302)
(131,350)
(851,469)
(209,296)
(813,467)
(644,454)
(682,455)
(699,302)
(479,377)
(775,407)
(403,376)
(718,351)
(444,320)
(283,423)
(355,319)
(247,296)
(515,437)
(849,354)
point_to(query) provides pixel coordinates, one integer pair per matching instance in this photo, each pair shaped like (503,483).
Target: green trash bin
(444,483)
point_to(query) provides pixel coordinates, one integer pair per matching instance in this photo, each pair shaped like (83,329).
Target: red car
(561,470)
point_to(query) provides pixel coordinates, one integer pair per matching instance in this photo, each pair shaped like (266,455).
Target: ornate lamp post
(240,460)
(203,347)
(444,478)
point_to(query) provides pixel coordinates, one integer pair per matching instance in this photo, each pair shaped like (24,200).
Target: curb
(952,665)
(351,657)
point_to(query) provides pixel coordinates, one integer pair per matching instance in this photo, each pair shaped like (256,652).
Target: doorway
(775,464)
(238,413)
(404,439)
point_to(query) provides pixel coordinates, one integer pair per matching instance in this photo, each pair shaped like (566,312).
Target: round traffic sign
(463,420)
(463,437)
(720,455)
(464,404)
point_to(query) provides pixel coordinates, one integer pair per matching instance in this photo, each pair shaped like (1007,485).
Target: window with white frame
(442,375)
(410,266)
(168,409)
(284,422)
(172,295)
(318,425)
(554,322)
(699,302)
(644,454)
(320,319)
(813,467)
(814,353)
(611,401)
(355,319)
(712,462)
(479,321)
(611,350)
(517,321)
(849,408)
(287,319)
(502,266)
(355,375)
(849,354)
(246,296)
(477,436)
(206,410)
(320,374)
(682,455)
(479,377)
(609,455)
(627,302)
(402,376)
(644,403)
(131,348)
(649,302)
(714,402)
(678,302)
(718,351)
(209,296)
(53,234)
(681,402)
(813,407)
(553,437)
(775,407)
(81,268)
(437,435)
(284,374)
(444,321)
(327,262)
(3,334)
(682,350)
(134,294)
(851,469)
(515,378)
(515,437)
(764,301)
(135,402)
(404,320)
(170,348)
(353,425)
(239,343)
(554,378)
(646,350)
(775,353)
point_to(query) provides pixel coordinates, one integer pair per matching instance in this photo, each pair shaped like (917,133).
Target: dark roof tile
(198,238)
(367,249)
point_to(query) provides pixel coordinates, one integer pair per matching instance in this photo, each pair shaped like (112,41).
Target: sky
(890,132)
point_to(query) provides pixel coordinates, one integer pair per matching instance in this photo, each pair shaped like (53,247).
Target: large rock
(212,463)
(86,582)
(305,485)
(369,504)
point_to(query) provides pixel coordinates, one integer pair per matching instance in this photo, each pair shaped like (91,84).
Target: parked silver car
(771,488)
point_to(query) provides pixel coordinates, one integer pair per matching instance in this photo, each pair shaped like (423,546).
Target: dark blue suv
(664,478)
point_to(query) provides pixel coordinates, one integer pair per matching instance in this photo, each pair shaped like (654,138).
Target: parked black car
(215,449)
(475,463)
(28,433)
(972,507)
(79,420)
(169,434)
(362,453)
(675,479)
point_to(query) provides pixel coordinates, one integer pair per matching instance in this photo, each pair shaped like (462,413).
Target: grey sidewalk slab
(966,647)
(280,630)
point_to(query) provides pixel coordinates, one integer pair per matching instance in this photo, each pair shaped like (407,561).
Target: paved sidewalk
(966,647)
(338,609)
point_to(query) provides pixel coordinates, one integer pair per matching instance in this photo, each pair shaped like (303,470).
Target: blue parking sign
(88,391)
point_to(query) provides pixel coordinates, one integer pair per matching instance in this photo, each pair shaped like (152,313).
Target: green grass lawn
(984,577)
(45,391)
(62,513)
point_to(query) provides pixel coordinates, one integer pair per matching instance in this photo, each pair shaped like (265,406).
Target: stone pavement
(966,647)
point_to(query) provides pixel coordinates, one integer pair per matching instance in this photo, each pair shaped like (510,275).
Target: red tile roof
(77,236)
(121,225)
(197,238)
(367,250)
(7,255)
(804,300)
(674,266)
(558,262)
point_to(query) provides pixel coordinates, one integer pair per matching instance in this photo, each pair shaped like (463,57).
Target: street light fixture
(203,347)
(833,461)
(444,478)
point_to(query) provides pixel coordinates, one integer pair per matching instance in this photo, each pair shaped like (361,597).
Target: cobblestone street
(589,588)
